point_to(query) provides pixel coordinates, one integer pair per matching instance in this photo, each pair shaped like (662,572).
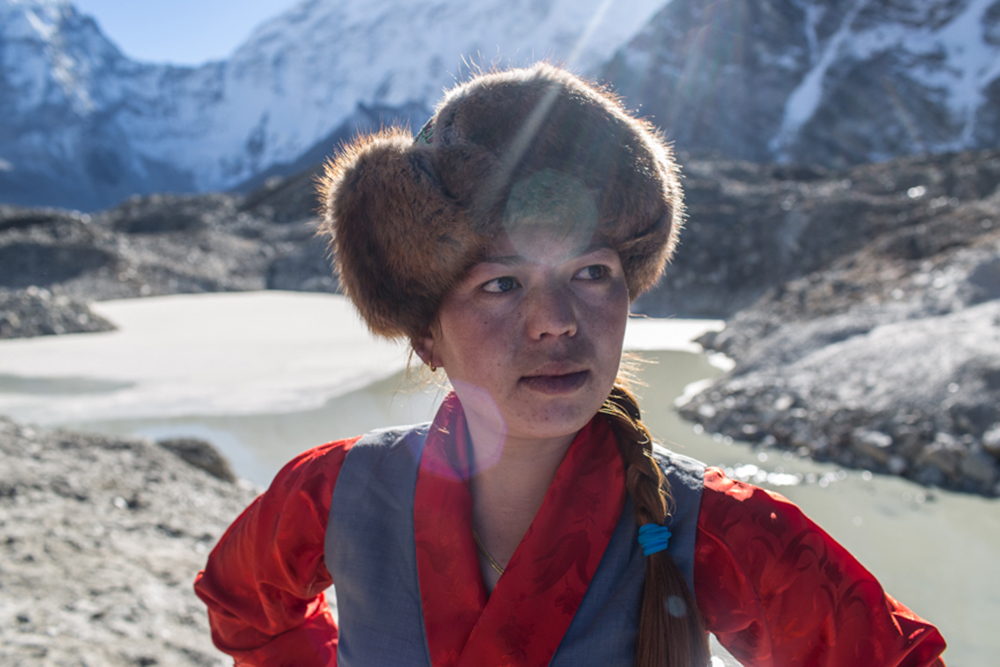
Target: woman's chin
(557,417)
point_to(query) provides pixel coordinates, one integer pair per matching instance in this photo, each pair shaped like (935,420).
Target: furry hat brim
(408,218)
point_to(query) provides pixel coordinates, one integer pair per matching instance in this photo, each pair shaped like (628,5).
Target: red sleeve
(264,580)
(776,590)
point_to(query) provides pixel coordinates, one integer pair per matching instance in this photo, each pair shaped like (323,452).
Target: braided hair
(671,632)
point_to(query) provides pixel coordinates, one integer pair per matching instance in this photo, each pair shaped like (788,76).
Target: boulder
(37,312)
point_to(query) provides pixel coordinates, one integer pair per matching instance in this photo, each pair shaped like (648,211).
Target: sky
(182,32)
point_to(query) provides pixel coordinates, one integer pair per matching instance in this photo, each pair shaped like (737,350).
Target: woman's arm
(777,590)
(264,580)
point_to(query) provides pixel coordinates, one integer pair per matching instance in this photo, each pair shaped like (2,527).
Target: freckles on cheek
(487,327)
(609,320)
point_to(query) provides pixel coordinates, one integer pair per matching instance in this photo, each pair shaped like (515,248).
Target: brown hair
(671,632)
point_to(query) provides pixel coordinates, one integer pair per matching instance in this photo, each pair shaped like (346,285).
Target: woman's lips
(556,384)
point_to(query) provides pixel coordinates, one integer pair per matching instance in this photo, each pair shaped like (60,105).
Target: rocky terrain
(100,540)
(880,347)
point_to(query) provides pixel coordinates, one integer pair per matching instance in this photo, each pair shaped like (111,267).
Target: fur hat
(407,218)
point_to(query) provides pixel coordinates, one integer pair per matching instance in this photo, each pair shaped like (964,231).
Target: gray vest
(371,555)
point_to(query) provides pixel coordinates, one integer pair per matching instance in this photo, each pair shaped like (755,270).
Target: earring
(434,369)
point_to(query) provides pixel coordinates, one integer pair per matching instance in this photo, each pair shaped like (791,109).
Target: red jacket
(773,587)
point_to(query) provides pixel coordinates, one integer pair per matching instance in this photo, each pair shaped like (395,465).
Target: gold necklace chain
(482,549)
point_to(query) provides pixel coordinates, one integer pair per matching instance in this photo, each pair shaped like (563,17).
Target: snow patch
(971,64)
(805,99)
(968,66)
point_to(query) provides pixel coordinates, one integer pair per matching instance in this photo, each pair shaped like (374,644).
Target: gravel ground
(101,540)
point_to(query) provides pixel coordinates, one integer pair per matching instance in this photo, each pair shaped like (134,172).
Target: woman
(532,522)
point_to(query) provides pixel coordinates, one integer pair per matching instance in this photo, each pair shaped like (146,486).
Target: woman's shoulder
(318,468)
(315,469)
(721,496)
(678,467)
(761,530)
(730,494)
(331,455)
(392,436)
(726,502)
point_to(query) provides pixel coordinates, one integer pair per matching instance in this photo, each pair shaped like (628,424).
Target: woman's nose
(551,312)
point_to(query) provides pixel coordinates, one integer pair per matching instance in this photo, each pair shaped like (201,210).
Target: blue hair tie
(653,538)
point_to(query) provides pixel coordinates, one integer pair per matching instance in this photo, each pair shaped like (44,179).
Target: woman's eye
(501,285)
(592,272)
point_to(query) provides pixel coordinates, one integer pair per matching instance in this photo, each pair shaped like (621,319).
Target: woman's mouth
(556,384)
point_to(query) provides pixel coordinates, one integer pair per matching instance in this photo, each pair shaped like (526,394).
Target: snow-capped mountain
(834,82)
(74,108)
(70,103)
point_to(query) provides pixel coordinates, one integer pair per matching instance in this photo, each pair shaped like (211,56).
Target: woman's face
(531,337)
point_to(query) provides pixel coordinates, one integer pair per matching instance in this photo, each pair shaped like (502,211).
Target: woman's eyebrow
(506,260)
(512,260)
(591,247)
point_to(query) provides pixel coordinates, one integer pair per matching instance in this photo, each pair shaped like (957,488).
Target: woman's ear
(423,345)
